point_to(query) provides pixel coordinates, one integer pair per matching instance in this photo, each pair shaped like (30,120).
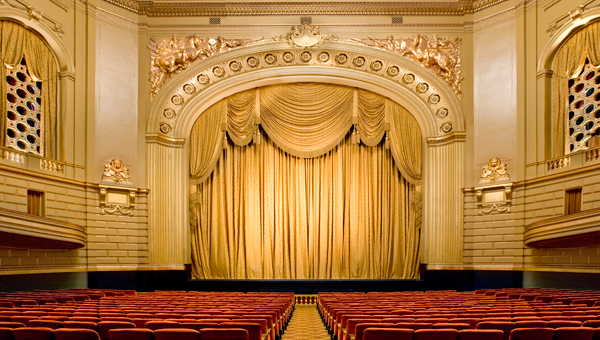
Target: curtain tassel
(387,142)
(257,137)
(355,135)
(225,141)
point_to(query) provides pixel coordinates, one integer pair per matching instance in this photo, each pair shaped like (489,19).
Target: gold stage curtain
(568,63)
(405,135)
(306,119)
(371,117)
(207,136)
(18,42)
(266,214)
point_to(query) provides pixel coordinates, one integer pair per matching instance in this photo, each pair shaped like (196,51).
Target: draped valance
(16,42)
(568,63)
(306,120)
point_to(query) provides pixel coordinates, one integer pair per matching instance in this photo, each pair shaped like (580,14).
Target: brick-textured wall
(496,240)
(112,240)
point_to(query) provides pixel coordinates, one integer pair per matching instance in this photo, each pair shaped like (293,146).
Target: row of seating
(343,312)
(41,333)
(470,334)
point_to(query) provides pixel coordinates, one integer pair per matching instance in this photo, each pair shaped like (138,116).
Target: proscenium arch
(184,98)
(390,86)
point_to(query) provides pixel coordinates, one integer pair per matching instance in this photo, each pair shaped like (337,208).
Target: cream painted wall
(116,94)
(495,95)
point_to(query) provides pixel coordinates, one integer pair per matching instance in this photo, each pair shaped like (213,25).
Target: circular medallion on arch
(323,57)
(442,113)
(408,78)
(306,56)
(177,99)
(270,58)
(169,113)
(218,71)
(235,66)
(376,65)
(203,79)
(434,99)
(341,58)
(359,61)
(165,128)
(252,61)
(393,71)
(446,127)
(422,87)
(288,57)
(189,88)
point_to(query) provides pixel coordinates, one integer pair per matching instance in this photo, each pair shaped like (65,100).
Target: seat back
(531,334)
(254,329)
(505,326)
(46,323)
(574,333)
(75,334)
(361,327)
(10,324)
(414,325)
(435,334)
(81,324)
(457,326)
(6,333)
(564,323)
(161,324)
(223,334)
(480,334)
(33,333)
(131,334)
(531,324)
(176,334)
(388,334)
(105,326)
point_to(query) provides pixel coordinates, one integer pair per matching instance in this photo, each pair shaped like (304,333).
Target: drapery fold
(207,135)
(568,63)
(307,120)
(18,42)
(265,214)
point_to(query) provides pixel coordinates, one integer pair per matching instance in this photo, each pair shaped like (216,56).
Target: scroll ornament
(442,55)
(169,57)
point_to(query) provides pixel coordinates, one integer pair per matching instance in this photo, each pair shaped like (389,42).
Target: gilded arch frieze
(423,85)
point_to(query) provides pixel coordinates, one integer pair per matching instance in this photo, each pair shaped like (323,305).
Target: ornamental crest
(442,55)
(305,36)
(494,172)
(169,57)
(115,172)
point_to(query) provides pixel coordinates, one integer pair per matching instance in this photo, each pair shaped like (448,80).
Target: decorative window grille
(24,128)
(214,21)
(397,20)
(584,108)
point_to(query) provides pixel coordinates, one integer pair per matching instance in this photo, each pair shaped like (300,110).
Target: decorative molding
(581,229)
(169,57)
(460,137)
(442,55)
(164,140)
(363,61)
(517,266)
(63,5)
(47,233)
(36,15)
(115,200)
(496,197)
(137,267)
(178,9)
(550,4)
(115,172)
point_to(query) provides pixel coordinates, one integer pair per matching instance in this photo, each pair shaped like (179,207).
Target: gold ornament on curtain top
(305,36)
(442,55)
(169,57)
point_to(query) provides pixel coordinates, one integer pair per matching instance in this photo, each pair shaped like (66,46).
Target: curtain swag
(306,120)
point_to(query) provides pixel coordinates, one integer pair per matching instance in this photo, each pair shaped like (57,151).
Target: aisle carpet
(306,324)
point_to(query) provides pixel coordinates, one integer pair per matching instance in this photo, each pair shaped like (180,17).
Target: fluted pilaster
(167,203)
(443,228)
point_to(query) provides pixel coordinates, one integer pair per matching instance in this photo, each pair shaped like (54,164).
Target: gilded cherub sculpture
(116,172)
(494,171)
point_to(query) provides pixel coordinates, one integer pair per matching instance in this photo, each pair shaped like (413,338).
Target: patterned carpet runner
(306,324)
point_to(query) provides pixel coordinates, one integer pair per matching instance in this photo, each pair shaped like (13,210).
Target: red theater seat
(574,333)
(176,334)
(435,334)
(131,334)
(34,333)
(388,334)
(223,334)
(532,334)
(75,334)
(480,334)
